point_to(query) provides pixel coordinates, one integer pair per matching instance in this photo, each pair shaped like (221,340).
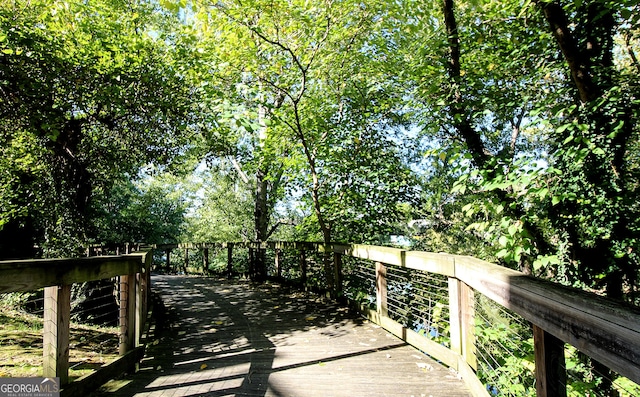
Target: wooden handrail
(27,275)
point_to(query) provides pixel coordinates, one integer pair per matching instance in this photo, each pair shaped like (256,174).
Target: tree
(305,83)
(332,94)
(595,197)
(492,136)
(541,112)
(150,211)
(550,172)
(96,89)
(223,207)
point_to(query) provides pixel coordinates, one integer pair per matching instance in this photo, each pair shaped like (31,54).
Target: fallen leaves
(425,367)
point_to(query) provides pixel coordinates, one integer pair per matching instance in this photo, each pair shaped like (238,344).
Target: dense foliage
(90,91)
(506,130)
(543,101)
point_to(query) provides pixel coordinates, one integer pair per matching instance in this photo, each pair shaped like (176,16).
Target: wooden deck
(220,339)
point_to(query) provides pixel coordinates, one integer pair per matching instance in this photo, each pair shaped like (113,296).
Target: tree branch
(578,65)
(632,54)
(237,167)
(461,122)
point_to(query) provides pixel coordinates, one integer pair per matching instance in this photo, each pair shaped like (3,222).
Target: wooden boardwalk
(220,339)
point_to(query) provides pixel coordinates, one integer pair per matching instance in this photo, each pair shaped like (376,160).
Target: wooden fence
(56,276)
(605,330)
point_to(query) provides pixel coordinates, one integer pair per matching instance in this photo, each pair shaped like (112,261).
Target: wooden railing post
(57,308)
(261,271)
(455,315)
(381,289)
(143,283)
(186,260)
(127,312)
(462,321)
(142,298)
(147,283)
(205,260)
(252,262)
(337,274)
(139,308)
(303,267)
(278,263)
(551,374)
(229,260)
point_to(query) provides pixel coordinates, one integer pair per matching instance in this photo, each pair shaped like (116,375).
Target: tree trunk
(482,158)
(588,49)
(261,221)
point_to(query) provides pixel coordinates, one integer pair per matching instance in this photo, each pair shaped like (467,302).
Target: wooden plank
(164,247)
(434,349)
(416,340)
(55,342)
(430,262)
(26,275)
(334,354)
(85,385)
(551,375)
(601,328)
(334,247)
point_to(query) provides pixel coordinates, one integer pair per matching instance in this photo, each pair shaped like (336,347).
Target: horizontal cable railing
(505,333)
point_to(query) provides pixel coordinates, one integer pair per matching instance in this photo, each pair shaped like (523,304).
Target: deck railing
(57,276)
(461,311)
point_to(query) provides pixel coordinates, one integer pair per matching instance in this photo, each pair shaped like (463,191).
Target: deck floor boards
(237,339)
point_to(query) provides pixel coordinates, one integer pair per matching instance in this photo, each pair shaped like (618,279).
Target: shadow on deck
(236,339)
